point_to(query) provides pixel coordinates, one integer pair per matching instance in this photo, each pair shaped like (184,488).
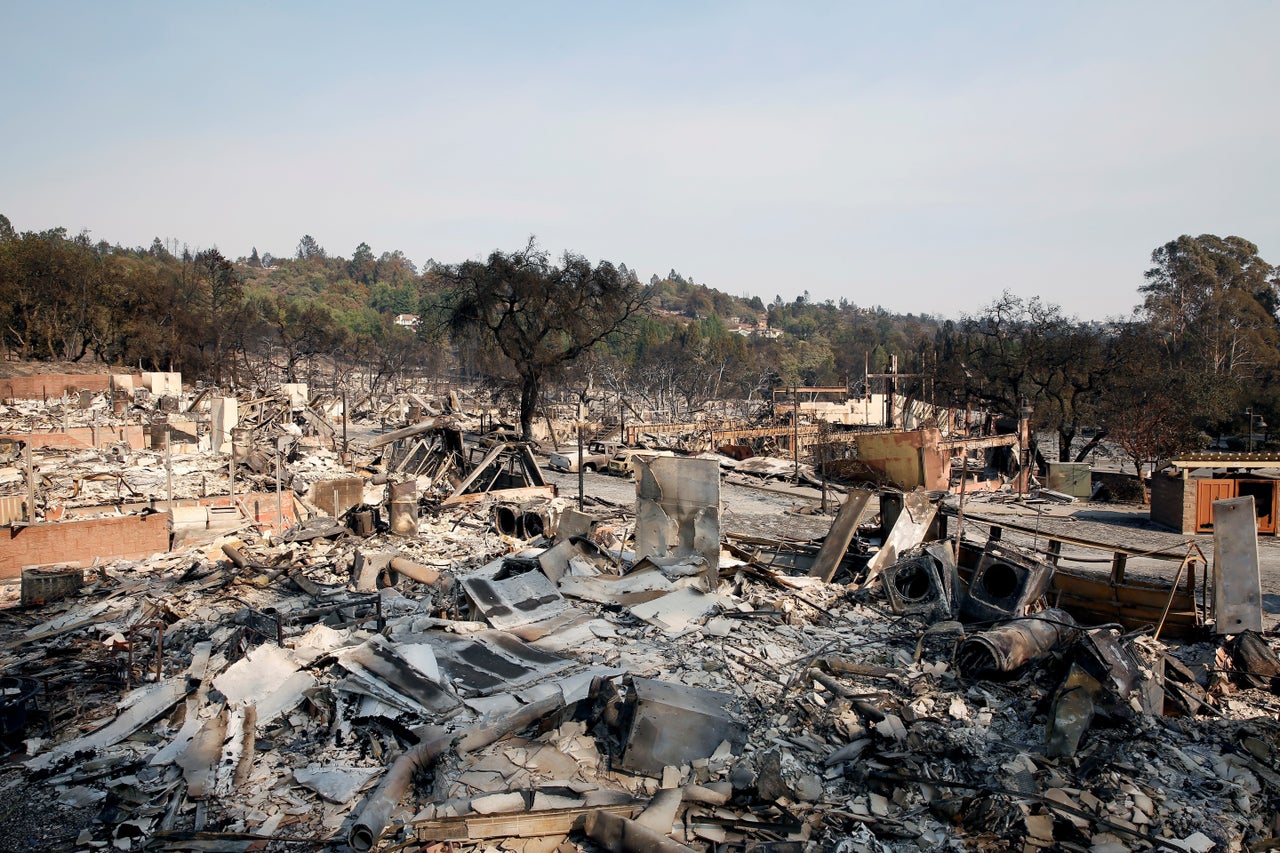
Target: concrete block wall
(349,492)
(264,503)
(125,536)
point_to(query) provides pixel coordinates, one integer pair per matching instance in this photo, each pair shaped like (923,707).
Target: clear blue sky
(923,157)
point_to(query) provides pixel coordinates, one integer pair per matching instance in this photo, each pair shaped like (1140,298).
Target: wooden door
(1208,491)
(1264,502)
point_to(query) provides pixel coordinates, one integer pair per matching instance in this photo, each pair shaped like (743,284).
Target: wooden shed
(1182,498)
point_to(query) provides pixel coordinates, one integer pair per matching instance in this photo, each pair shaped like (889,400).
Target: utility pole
(795,430)
(279,498)
(168,465)
(581,475)
(824,431)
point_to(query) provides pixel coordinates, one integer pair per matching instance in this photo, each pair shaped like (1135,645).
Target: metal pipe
(421,573)
(236,556)
(1009,647)
(375,812)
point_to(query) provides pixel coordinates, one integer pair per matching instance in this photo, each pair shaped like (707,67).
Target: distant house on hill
(758,329)
(407,320)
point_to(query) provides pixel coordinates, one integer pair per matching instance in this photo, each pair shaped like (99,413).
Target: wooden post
(1117,567)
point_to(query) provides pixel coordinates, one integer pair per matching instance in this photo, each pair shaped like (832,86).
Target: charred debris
(274,621)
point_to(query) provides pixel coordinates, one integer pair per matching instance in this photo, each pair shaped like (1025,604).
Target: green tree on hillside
(540,315)
(221,291)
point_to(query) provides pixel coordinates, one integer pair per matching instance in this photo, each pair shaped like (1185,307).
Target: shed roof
(1226,459)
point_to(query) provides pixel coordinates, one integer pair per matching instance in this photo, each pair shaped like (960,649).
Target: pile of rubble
(507,673)
(576,692)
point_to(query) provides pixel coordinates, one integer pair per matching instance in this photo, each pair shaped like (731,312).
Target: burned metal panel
(678,510)
(923,583)
(1110,662)
(512,591)
(404,668)
(1237,584)
(334,497)
(908,531)
(1073,710)
(487,661)
(906,459)
(672,725)
(404,507)
(841,534)
(223,417)
(1005,584)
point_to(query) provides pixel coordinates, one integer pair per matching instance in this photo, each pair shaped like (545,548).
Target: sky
(922,157)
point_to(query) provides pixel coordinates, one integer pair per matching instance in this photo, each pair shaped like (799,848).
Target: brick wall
(261,507)
(52,385)
(76,437)
(263,503)
(126,536)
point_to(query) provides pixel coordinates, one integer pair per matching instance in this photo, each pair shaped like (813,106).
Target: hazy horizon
(920,158)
